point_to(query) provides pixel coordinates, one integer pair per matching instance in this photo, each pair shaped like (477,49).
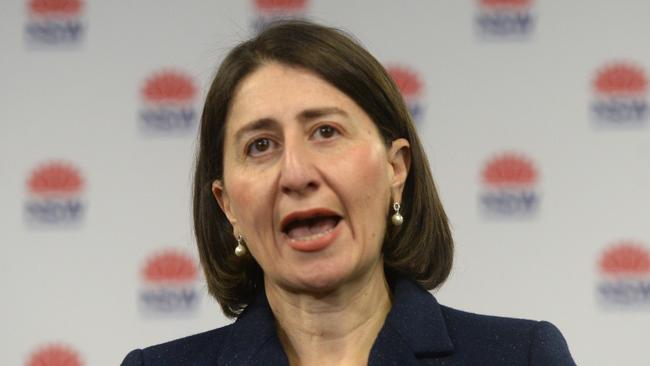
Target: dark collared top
(417,331)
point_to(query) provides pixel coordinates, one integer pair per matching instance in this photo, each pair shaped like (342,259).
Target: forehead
(279,91)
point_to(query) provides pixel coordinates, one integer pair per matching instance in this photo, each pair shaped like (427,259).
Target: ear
(399,158)
(223,200)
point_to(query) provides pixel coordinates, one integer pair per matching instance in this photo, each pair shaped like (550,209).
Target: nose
(298,174)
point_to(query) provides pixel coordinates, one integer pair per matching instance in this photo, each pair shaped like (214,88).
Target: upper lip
(306,214)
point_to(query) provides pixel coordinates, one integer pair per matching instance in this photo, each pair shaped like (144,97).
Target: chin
(321,280)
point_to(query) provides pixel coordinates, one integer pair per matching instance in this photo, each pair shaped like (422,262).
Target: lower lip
(316,244)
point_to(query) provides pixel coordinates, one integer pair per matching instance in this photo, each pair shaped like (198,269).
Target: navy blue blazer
(417,331)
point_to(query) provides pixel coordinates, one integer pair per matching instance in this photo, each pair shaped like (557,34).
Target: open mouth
(309,228)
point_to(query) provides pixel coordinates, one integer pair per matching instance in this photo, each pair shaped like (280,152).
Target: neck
(336,328)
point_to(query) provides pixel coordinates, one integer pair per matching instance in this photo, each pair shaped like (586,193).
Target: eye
(325,131)
(259,146)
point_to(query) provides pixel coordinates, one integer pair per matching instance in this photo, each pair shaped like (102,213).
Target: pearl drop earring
(397,218)
(240,249)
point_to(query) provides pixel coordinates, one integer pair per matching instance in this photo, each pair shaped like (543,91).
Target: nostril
(299,186)
(301,190)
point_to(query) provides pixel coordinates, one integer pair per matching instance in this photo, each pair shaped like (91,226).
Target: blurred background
(534,115)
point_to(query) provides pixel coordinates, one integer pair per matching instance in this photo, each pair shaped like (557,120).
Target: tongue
(315,227)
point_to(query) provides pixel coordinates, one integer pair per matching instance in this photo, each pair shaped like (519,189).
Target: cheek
(367,170)
(364,178)
(245,199)
(245,189)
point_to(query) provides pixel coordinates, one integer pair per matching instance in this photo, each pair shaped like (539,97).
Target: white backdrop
(97,253)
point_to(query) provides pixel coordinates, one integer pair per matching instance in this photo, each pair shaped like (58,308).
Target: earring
(240,249)
(397,218)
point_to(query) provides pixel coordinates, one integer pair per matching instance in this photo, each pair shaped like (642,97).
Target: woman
(318,222)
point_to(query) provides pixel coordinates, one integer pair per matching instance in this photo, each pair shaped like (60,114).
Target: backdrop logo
(169,284)
(504,18)
(268,11)
(54,195)
(620,95)
(509,186)
(411,87)
(168,103)
(54,355)
(54,22)
(624,275)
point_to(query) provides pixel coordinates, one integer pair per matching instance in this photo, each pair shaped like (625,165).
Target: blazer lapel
(414,330)
(253,339)
(391,349)
(414,333)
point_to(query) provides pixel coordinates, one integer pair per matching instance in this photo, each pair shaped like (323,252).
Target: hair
(420,249)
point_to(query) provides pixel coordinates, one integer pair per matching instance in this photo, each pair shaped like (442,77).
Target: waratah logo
(497,19)
(411,87)
(54,22)
(509,186)
(169,281)
(168,103)
(267,11)
(54,355)
(54,195)
(624,270)
(620,95)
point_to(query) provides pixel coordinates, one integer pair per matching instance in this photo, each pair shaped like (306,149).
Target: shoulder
(531,342)
(198,349)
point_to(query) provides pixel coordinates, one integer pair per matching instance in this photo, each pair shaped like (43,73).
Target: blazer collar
(414,328)
(253,339)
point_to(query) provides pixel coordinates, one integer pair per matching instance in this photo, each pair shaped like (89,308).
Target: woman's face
(307,179)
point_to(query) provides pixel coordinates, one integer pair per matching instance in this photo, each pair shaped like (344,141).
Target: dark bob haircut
(420,249)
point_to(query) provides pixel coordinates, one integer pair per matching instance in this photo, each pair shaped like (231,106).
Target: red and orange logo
(280,5)
(625,259)
(168,106)
(506,4)
(54,355)
(55,179)
(410,86)
(169,266)
(620,79)
(620,90)
(408,82)
(169,280)
(504,19)
(267,11)
(509,183)
(61,8)
(54,22)
(55,191)
(624,269)
(509,170)
(169,87)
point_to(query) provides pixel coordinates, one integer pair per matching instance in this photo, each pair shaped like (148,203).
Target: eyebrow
(304,116)
(309,114)
(256,125)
